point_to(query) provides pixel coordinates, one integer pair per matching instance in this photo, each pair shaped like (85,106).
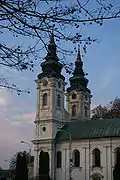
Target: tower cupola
(51,66)
(78,95)
(78,81)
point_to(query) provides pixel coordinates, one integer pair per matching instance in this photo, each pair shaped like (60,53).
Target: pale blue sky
(101,62)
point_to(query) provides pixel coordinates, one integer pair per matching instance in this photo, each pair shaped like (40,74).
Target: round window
(44,128)
(74,96)
(45,83)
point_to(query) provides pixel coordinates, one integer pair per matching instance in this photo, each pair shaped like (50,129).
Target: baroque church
(79,148)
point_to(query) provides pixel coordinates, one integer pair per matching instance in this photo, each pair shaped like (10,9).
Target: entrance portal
(44,166)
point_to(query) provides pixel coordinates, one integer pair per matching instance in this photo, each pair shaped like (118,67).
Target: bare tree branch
(30,19)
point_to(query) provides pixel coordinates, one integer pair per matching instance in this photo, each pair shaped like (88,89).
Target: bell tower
(78,95)
(50,106)
(50,94)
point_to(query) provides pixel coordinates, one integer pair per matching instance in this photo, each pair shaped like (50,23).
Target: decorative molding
(44,90)
(95,168)
(44,141)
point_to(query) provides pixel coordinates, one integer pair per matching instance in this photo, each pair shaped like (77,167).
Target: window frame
(86,111)
(117,155)
(44,99)
(59,159)
(74,110)
(96,157)
(58,101)
(76,158)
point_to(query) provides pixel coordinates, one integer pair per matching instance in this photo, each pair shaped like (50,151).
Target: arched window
(58,100)
(76,158)
(96,158)
(117,155)
(45,99)
(73,110)
(86,111)
(59,159)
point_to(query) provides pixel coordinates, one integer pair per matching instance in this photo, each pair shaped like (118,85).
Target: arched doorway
(44,164)
(73,110)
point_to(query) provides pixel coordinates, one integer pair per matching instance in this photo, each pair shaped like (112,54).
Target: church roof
(90,129)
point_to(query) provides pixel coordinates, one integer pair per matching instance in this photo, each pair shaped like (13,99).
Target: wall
(86,147)
(81,101)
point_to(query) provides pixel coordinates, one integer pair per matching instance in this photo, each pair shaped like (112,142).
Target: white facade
(51,116)
(81,101)
(86,171)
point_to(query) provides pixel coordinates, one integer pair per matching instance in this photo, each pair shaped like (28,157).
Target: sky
(101,62)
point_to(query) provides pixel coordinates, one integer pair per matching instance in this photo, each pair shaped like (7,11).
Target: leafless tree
(35,19)
(111,110)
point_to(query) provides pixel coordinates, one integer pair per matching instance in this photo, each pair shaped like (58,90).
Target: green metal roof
(89,129)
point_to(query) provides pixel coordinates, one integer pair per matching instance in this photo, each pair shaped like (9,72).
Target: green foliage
(12,165)
(108,111)
(21,167)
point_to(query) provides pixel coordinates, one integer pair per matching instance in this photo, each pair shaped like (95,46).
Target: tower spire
(78,81)
(51,66)
(78,65)
(78,55)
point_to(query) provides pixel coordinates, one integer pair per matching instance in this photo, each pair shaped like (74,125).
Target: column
(87,154)
(83,163)
(109,165)
(51,153)
(36,163)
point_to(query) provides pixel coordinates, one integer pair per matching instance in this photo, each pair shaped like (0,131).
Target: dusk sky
(101,62)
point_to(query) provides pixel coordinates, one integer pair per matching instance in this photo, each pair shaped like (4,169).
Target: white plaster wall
(48,116)
(85,171)
(80,103)
(51,111)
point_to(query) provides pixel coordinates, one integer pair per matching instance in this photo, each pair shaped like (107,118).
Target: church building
(79,148)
